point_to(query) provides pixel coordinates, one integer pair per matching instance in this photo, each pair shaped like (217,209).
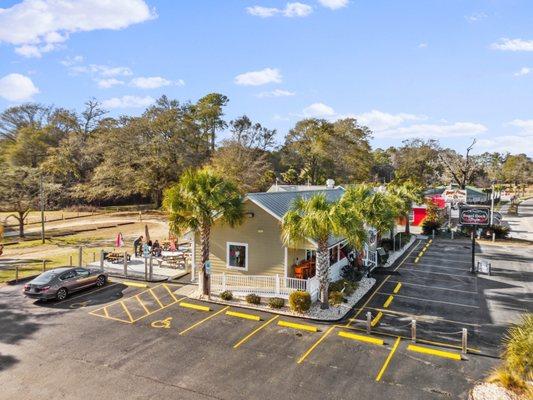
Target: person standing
(137,245)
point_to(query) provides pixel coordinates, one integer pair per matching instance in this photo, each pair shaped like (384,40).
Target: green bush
(348,286)
(335,298)
(253,298)
(276,302)
(300,301)
(516,368)
(428,226)
(226,295)
(501,232)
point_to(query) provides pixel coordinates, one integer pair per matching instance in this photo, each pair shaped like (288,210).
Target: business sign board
(454,196)
(479,216)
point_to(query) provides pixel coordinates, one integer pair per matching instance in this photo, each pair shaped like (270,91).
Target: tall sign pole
(474,217)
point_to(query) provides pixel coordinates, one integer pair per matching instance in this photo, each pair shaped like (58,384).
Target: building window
(237,256)
(411,216)
(333,255)
(310,255)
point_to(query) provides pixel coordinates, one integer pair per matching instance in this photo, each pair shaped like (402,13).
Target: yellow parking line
(170,292)
(111,318)
(293,325)
(155,297)
(310,350)
(126,298)
(433,352)
(361,338)
(127,311)
(389,300)
(416,259)
(243,340)
(194,306)
(430,240)
(376,319)
(379,287)
(387,361)
(159,309)
(397,288)
(251,317)
(142,304)
(133,284)
(204,320)
(105,312)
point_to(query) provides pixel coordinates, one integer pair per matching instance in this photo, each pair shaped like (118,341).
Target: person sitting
(156,249)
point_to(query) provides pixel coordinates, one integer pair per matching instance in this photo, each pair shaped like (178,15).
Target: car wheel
(62,294)
(100,281)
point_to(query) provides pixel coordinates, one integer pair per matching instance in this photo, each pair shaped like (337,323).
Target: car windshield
(45,277)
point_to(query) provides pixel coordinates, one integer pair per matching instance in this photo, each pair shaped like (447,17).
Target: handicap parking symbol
(163,323)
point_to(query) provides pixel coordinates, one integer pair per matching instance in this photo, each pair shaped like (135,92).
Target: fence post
(464,341)
(223,281)
(277,283)
(80,256)
(16,273)
(102,260)
(70,260)
(44,265)
(146,267)
(125,264)
(150,267)
(413,330)
(94,256)
(452,234)
(433,233)
(368,322)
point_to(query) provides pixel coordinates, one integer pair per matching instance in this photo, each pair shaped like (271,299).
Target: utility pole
(41,196)
(492,205)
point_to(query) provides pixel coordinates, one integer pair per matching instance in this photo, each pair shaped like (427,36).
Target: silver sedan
(58,283)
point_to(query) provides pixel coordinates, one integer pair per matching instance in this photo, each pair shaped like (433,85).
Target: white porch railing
(268,286)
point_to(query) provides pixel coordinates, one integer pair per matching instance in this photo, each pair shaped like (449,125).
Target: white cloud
(334,4)
(128,102)
(525,125)
(506,44)
(263,12)
(523,71)
(17,87)
(297,10)
(256,78)
(291,10)
(276,93)
(319,110)
(70,61)
(101,70)
(154,82)
(422,45)
(106,83)
(507,143)
(39,26)
(475,17)
(380,121)
(433,131)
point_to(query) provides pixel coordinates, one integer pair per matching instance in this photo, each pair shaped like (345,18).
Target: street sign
(474,216)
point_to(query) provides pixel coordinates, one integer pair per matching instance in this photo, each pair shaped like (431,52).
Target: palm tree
(407,194)
(316,219)
(200,197)
(377,208)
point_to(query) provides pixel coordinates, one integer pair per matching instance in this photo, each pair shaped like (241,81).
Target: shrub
(253,298)
(343,285)
(300,301)
(501,232)
(335,298)
(428,226)
(276,302)
(350,273)
(226,295)
(516,368)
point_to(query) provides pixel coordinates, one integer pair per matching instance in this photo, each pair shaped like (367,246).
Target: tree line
(89,157)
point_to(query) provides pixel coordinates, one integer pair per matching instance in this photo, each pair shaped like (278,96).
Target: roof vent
(330,184)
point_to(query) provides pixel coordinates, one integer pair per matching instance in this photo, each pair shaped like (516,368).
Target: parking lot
(150,342)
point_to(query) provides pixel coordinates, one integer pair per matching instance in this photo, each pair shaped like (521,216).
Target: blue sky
(445,69)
